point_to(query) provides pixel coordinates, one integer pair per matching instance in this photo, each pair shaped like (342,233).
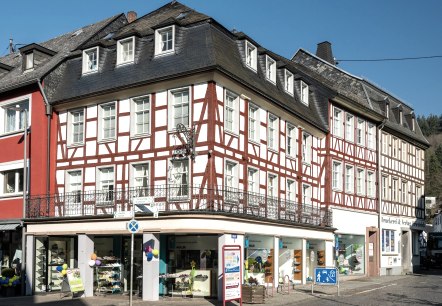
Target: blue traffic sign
(133,226)
(326,276)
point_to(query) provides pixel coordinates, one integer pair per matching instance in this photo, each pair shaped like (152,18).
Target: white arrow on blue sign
(133,226)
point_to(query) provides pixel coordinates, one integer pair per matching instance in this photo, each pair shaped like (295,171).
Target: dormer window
(288,82)
(304,93)
(125,51)
(400,117)
(270,69)
(165,40)
(251,56)
(29,64)
(90,60)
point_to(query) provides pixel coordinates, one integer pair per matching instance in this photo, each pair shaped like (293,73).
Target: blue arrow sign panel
(326,276)
(133,226)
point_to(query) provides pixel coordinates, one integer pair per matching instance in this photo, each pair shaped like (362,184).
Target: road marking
(369,290)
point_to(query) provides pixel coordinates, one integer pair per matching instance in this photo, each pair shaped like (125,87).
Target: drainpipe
(380,190)
(48,109)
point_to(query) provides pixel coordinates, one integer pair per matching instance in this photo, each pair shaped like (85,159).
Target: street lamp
(20,109)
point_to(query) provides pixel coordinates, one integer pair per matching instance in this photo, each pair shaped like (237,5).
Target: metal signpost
(133,227)
(326,276)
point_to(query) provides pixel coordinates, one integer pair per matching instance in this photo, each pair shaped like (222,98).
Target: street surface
(416,289)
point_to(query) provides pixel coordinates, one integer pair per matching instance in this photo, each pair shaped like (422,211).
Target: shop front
(291,259)
(350,252)
(259,259)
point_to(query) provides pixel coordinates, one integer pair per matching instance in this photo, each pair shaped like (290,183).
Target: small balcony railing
(170,199)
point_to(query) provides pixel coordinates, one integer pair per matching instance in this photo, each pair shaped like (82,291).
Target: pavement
(300,293)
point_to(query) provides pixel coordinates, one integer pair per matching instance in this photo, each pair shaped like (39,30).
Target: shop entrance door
(405,251)
(373,251)
(138,263)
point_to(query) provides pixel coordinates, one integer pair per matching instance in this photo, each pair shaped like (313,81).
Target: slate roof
(61,46)
(201,45)
(361,91)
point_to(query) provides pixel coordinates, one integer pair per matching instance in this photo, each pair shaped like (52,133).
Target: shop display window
(350,254)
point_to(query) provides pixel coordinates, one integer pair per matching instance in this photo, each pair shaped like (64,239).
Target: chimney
(324,51)
(131,16)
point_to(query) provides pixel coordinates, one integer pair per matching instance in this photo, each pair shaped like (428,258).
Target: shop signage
(232,264)
(122,214)
(403,222)
(143,200)
(74,279)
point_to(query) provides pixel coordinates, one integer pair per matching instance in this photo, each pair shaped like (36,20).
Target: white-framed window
(360,181)
(106,185)
(253,122)
(231,181)
(288,82)
(337,122)
(388,241)
(76,127)
(251,55)
(404,151)
(270,69)
(291,190)
(165,40)
(272,131)
(253,180)
(140,115)
(394,189)
(272,185)
(418,158)
(126,51)
(12,181)
(349,127)
(231,109)
(385,187)
(371,184)
(74,186)
(418,194)
(140,179)
(14,119)
(337,175)
(371,136)
(394,146)
(179,179)
(179,107)
(90,60)
(306,194)
(306,147)
(385,143)
(291,140)
(107,121)
(29,64)
(349,179)
(404,192)
(360,132)
(304,93)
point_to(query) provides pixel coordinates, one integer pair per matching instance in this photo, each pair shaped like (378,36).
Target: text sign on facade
(232,272)
(326,276)
(143,200)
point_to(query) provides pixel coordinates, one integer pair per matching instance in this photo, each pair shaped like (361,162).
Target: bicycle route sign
(133,226)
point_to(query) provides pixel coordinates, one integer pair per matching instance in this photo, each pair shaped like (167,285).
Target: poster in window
(392,240)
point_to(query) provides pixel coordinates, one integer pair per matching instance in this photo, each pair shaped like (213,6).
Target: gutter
(379,130)
(48,112)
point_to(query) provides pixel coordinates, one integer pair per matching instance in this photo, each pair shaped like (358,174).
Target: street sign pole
(131,256)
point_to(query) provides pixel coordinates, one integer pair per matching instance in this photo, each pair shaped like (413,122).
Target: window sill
(125,63)
(390,254)
(89,72)
(138,136)
(107,140)
(337,189)
(76,145)
(291,157)
(306,163)
(289,93)
(11,195)
(254,141)
(12,133)
(251,68)
(271,81)
(273,150)
(236,134)
(164,53)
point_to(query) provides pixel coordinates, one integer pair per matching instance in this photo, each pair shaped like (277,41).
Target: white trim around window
(349,127)
(179,175)
(11,179)
(250,55)
(12,120)
(140,115)
(126,51)
(165,40)
(371,184)
(91,60)
(107,121)
(76,127)
(307,143)
(179,107)
(304,93)
(290,193)
(349,179)
(253,180)
(231,112)
(337,122)
(292,148)
(270,71)
(360,181)
(272,185)
(337,175)
(105,185)
(288,82)
(254,122)
(139,175)
(272,132)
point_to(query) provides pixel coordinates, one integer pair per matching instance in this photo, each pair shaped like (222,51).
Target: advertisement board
(74,279)
(232,267)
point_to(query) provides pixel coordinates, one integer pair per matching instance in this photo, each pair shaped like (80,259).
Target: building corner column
(85,249)
(151,269)
(30,262)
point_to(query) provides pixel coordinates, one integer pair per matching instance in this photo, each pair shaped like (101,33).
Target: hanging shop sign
(232,263)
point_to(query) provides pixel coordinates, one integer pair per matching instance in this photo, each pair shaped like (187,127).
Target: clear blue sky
(357,29)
